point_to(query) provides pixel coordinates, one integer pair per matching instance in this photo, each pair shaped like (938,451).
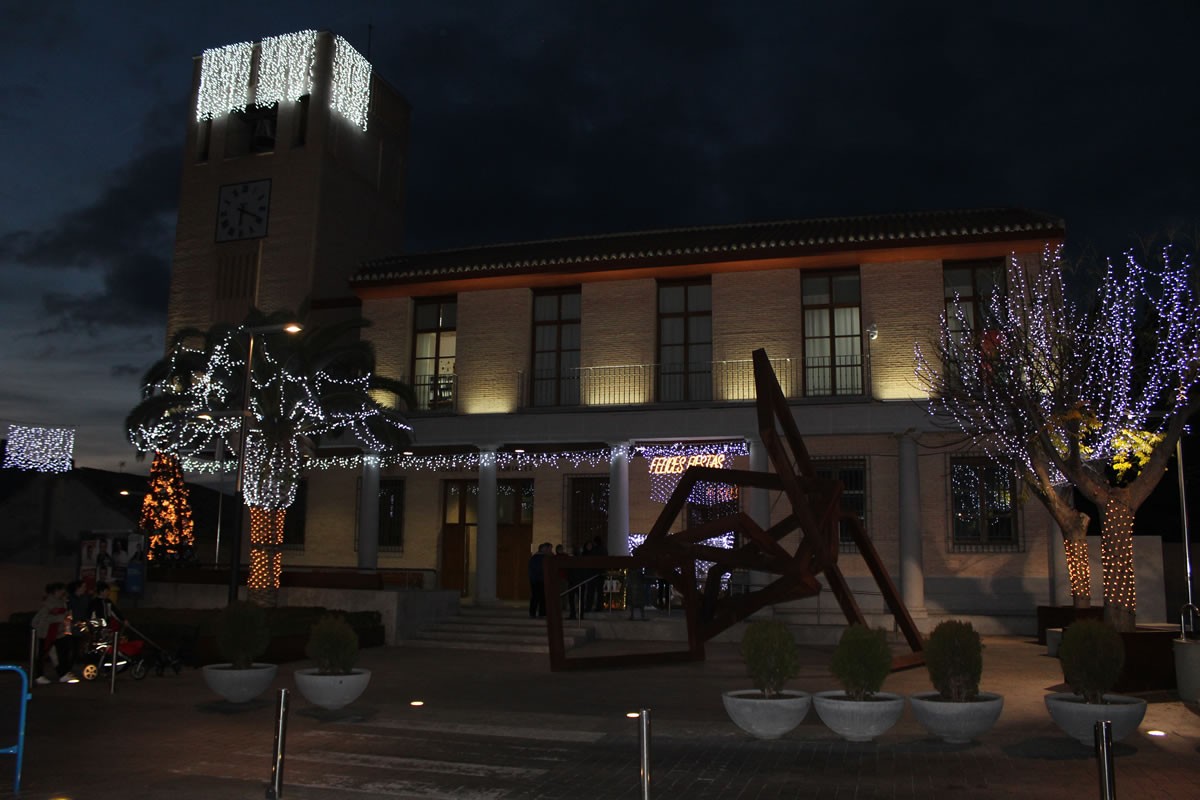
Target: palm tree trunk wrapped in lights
(298,388)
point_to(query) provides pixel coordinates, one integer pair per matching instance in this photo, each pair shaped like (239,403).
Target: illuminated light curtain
(39,449)
(351,86)
(224,80)
(285,67)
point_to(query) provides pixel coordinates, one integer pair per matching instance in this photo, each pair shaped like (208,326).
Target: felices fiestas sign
(677,465)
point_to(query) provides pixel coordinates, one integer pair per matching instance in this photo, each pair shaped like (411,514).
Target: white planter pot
(239,685)
(331,691)
(763,718)
(956,723)
(1078,719)
(1187,669)
(858,720)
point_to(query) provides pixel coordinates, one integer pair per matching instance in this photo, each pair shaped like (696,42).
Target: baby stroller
(138,655)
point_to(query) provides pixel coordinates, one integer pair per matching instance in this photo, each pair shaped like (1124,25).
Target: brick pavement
(500,725)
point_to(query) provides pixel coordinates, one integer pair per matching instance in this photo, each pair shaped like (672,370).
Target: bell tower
(293,173)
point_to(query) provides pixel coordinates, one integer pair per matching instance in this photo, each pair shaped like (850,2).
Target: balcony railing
(717,381)
(436,392)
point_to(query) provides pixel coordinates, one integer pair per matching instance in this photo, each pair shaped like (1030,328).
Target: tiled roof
(760,240)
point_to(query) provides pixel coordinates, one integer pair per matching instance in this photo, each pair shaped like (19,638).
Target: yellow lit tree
(166,513)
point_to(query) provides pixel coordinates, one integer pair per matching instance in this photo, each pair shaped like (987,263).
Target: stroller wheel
(138,670)
(90,672)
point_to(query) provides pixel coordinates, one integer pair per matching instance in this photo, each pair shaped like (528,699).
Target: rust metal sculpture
(816,513)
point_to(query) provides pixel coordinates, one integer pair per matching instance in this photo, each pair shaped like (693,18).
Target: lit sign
(674,465)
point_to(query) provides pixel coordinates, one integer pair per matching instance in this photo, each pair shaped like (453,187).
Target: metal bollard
(112,676)
(644,749)
(275,790)
(1104,758)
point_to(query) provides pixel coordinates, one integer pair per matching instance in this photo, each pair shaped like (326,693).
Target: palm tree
(301,387)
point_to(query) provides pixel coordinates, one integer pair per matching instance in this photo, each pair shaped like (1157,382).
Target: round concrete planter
(763,718)
(331,691)
(956,723)
(1187,669)
(239,685)
(1078,719)
(858,720)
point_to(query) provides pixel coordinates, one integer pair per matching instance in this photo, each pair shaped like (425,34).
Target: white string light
(39,449)
(224,80)
(350,92)
(285,67)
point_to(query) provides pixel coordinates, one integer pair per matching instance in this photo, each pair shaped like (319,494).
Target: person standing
(537,581)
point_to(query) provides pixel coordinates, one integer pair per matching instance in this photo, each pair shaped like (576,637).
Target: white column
(485,533)
(758,501)
(912,565)
(368,513)
(618,500)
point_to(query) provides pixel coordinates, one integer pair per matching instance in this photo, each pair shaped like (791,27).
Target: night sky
(564,117)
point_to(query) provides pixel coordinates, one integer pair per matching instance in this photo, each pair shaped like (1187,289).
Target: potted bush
(242,635)
(768,711)
(1092,655)
(859,711)
(334,682)
(957,712)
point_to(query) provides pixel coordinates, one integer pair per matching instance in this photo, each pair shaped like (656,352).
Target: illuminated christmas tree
(1093,396)
(166,513)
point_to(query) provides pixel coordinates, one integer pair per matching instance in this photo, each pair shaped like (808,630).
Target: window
(203,139)
(983,500)
(433,353)
(300,123)
(391,515)
(852,472)
(833,362)
(973,283)
(251,130)
(555,378)
(685,341)
(514,502)
(296,518)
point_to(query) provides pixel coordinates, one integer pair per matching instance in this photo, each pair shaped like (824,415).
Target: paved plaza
(501,725)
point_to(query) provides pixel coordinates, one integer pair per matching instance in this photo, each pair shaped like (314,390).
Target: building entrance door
(460,501)
(514,538)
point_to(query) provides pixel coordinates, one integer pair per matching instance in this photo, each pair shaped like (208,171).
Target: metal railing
(729,381)
(435,392)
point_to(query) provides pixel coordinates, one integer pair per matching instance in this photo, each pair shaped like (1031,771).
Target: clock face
(242,210)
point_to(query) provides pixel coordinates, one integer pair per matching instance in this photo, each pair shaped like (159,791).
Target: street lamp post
(235,551)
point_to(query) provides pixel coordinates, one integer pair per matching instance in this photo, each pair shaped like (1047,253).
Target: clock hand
(244,212)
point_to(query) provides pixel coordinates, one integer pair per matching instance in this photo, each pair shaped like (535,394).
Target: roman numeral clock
(243,210)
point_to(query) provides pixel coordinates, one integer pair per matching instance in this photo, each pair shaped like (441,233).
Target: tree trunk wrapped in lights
(1092,398)
(300,387)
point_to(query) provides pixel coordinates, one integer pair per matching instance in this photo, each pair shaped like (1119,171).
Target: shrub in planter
(770,654)
(861,661)
(954,658)
(768,711)
(334,682)
(333,645)
(1092,655)
(242,634)
(957,712)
